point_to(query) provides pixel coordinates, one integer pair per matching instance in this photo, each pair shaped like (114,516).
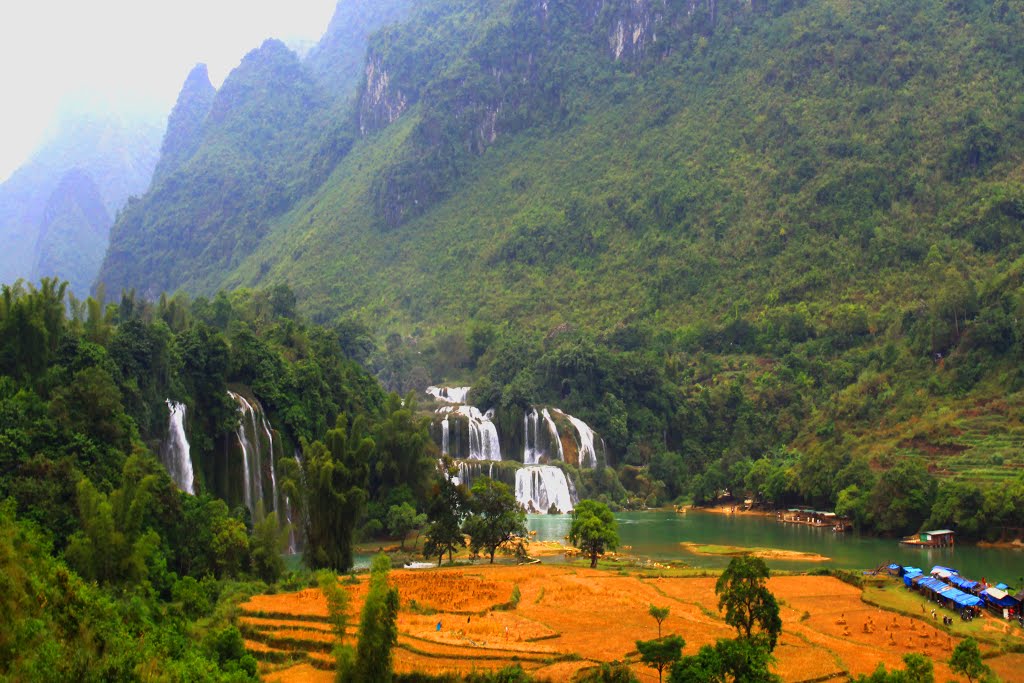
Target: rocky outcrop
(380,103)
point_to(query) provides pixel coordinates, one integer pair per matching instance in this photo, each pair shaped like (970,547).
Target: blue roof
(912,570)
(894,566)
(940,568)
(1001,586)
(960,581)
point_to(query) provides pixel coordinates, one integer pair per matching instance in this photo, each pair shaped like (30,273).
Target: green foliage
(402,519)
(659,614)
(919,669)
(966,660)
(446,510)
(335,477)
(749,606)
(495,517)
(593,530)
(660,653)
(614,672)
(743,660)
(378,628)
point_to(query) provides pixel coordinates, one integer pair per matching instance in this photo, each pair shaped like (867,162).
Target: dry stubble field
(570,618)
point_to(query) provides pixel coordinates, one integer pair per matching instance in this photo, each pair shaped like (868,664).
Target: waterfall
(449,394)
(531,454)
(444,436)
(293,541)
(270,449)
(539,487)
(587,454)
(483,435)
(175,451)
(553,430)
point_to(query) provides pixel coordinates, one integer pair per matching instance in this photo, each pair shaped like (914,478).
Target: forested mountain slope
(730,234)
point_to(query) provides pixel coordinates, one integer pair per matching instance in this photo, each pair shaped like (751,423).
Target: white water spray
(538,488)
(175,451)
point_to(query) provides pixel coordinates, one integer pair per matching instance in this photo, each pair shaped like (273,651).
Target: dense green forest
(108,570)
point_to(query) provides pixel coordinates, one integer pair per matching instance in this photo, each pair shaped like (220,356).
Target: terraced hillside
(569,619)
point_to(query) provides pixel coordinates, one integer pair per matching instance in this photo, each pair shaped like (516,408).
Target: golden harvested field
(571,618)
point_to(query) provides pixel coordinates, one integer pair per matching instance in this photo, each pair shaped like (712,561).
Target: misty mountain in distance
(115,154)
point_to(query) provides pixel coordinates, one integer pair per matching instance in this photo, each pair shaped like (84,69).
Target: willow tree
(333,493)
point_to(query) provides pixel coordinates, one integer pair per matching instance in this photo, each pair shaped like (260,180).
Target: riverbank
(725,510)
(763,553)
(569,618)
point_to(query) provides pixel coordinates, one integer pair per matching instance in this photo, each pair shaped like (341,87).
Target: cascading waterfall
(252,489)
(539,488)
(553,430)
(175,451)
(449,394)
(587,454)
(483,435)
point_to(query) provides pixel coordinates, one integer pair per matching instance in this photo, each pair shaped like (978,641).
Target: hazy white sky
(53,51)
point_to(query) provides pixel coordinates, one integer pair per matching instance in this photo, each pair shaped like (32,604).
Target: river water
(658,534)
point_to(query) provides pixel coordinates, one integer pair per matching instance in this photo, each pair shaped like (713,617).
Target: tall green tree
(495,517)
(593,529)
(749,606)
(333,485)
(378,627)
(446,510)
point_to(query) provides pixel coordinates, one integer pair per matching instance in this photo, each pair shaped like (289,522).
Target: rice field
(569,619)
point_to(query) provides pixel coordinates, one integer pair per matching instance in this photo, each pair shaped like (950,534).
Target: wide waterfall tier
(449,394)
(175,451)
(466,433)
(255,440)
(544,488)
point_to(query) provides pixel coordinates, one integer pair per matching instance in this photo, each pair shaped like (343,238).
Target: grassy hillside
(772,249)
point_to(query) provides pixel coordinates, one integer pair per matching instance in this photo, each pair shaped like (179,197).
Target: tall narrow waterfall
(445,447)
(256,440)
(531,450)
(553,430)
(175,451)
(587,454)
(538,488)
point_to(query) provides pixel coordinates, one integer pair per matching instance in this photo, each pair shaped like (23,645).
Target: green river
(657,535)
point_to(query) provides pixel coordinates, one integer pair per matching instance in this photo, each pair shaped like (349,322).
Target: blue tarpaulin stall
(995,596)
(962,583)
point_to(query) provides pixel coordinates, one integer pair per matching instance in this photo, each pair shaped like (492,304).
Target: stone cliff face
(381,103)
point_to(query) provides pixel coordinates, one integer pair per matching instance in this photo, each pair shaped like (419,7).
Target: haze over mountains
(57,209)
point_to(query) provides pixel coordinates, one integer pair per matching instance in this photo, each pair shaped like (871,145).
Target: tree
(966,660)
(334,481)
(495,516)
(748,604)
(402,519)
(919,670)
(378,627)
(660,614)
(593,529)
(337,614)
(268,538)
(741,661)
(661,652)
(446,511)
